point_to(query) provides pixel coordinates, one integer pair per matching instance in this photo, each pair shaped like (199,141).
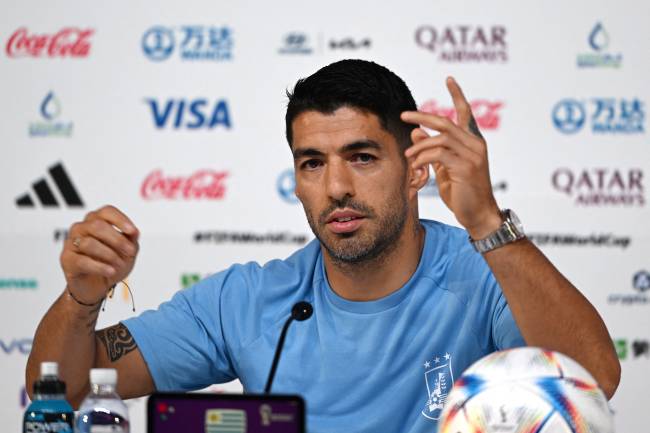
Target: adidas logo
(46,195)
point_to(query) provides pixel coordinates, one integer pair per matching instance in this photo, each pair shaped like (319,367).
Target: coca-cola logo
(67,42)
(601,186)
(204,184)
(485,112)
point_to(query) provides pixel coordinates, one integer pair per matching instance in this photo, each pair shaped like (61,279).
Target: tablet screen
(224,413)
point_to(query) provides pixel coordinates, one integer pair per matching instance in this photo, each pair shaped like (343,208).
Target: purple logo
(464,43)
(601,186)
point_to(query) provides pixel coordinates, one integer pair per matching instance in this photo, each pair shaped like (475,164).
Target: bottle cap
(103,376)
(49,369)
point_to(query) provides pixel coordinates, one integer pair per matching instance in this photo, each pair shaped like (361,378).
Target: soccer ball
(526,390)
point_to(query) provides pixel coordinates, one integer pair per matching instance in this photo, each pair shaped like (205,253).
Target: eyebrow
(350,147)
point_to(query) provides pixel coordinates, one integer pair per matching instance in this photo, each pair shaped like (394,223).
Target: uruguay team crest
(439,379)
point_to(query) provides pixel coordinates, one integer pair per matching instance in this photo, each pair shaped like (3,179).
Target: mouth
(344,221)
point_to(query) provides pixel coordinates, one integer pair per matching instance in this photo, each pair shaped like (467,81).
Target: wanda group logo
(203,184)
(67,42)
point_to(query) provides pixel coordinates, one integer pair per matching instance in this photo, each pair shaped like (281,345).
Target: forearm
(66,334)
(551,313)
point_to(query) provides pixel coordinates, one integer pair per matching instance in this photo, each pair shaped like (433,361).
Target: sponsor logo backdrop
(175,114)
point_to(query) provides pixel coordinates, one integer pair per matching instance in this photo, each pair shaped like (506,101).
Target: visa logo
(23,346)
(190,114)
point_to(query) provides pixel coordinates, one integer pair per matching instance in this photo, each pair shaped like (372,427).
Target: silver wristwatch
(511,230)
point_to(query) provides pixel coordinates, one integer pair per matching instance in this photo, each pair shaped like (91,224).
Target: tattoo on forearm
(117,340)
(93,314)
(473,127)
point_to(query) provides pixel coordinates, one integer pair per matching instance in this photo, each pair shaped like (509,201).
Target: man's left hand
(458,155)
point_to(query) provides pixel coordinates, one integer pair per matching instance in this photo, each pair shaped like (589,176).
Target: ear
(418,178)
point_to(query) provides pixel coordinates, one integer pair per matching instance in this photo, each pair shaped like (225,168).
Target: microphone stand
(300,311)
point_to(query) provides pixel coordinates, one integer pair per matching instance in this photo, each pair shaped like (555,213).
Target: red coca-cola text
(204,184)
(485,112)
(68,42)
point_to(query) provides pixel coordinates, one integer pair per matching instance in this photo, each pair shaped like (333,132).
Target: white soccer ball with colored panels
(526,390)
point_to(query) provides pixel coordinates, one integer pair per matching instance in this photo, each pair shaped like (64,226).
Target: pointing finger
(463,109)
(465,118)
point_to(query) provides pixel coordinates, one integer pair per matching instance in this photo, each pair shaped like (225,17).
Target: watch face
(512,216)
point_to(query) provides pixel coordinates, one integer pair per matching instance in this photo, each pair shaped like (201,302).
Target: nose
(338,180)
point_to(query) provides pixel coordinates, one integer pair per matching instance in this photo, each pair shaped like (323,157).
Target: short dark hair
(358,84)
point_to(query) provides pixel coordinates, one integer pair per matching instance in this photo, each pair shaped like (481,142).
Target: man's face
(351,179)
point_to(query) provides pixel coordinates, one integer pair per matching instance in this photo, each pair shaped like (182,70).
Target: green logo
(188,280)
(18,284)
(621,348)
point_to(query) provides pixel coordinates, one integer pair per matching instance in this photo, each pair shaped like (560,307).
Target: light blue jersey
(378,366)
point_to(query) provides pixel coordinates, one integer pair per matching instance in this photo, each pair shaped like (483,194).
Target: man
(395,298)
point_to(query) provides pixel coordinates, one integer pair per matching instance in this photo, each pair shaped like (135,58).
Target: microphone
(300,311)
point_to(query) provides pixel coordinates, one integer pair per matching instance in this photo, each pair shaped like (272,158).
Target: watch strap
(505,234)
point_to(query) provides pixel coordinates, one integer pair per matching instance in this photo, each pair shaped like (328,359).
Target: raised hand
(458,155)
(99,252)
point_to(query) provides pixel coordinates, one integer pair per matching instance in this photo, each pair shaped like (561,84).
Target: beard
(376,239)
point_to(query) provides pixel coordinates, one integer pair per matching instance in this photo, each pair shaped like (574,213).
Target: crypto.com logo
(640,283)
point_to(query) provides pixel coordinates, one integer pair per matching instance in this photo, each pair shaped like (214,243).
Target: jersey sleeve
(472,280)
(505,332)
(182,341)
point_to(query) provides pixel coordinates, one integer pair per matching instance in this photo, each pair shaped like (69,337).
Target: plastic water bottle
(102,411)
(49,412)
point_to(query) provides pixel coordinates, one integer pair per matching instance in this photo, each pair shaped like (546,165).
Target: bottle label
(47,427)
(106,429)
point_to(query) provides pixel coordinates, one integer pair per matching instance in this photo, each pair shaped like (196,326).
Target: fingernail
(110,270)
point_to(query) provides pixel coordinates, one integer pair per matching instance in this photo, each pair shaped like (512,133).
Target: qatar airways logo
(464,43)
(486,113)
(202,185)
(601,186)
(67,42)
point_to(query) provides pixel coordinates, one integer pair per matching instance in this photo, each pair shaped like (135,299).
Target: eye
(311,164)
(363,158)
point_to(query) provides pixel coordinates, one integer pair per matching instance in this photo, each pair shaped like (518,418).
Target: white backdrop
(559,88)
